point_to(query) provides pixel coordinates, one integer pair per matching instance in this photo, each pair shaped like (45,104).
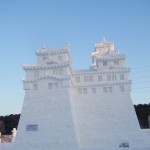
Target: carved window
(60,58)
(93,90)
(79,90)
(77,79)
(121,88)
(113,77)
(105,89)
(104,63)
(86,79)
(61,71)
(121,76)
(55,71)
(97,64)
(84,90)
(90,78)
(56,85)
(36,73)
(32,127)
(116,62)
(110,89)
(124,145)
(100,78)
(50,86)
(108,77)
(44,58)
(35,87)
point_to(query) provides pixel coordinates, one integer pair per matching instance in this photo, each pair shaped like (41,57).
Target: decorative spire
(43,46)
(103,39)
(68,44)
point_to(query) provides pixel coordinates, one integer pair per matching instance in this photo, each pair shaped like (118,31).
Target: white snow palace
(67,109)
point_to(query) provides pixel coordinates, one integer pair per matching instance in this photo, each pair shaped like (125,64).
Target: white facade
(146,136)
(103,110)
(66,109)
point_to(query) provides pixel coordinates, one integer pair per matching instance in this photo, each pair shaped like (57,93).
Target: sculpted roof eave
(128,82)
(103,42)
(60,78)
(48,51)
(102,71)
(36,67)
(111,57)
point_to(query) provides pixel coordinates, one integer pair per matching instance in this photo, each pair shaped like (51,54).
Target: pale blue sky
(26,25)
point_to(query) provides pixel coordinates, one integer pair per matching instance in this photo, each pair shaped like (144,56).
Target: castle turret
(104,113)
(46,118)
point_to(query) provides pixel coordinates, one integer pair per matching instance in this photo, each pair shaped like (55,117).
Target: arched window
(44,58)
(116,62)
(100,78)
(121,76)
(36,73)
(50,86)
(77,79)
(121,88)
(93,90)
(55,71)
(104,63)
(105,89)
(84,90)
(60,58)
(61,71)
(79,90)
(35,87)
(110,89)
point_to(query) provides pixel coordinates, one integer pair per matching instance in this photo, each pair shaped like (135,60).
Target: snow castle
(67,109)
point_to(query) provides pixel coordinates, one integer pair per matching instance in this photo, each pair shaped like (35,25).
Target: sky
(25,25)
